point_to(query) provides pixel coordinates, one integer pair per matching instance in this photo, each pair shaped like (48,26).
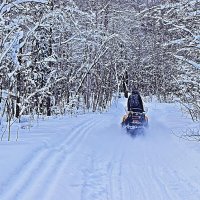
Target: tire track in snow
(135,184)
(11,189)
(180,186)
(98,183)
(94,179)
(64,160)
(143,183)
(169,183)
(29,171)
(115,177)
(156,173)
(110,170)
(91,174)
(119,178)
(53,164)
(138,179)
(152,185)
(94,175)
(156,184)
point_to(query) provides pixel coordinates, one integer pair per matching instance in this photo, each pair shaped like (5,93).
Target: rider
(135,102)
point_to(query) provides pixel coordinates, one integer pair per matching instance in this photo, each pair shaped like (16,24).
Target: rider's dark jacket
(132,106)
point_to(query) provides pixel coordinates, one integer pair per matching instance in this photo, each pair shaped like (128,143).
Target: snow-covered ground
(90,157)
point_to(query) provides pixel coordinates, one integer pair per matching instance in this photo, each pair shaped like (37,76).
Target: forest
(71,56)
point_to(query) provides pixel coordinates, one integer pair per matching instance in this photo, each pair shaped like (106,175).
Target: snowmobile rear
(135,123)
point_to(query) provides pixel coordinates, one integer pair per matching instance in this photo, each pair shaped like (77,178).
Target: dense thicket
(173,31)
(65,56)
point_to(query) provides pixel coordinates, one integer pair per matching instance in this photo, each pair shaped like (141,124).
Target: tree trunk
(17,113)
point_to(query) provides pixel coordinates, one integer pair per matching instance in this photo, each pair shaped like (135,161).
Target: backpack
(134,101)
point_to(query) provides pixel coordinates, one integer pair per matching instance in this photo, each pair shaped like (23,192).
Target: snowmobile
(135,122)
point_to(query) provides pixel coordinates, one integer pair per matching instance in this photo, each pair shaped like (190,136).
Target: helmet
(135,91)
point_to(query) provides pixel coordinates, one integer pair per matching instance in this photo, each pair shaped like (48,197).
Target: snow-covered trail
(92,158)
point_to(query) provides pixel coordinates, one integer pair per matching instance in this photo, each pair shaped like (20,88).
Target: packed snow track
(91,157)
